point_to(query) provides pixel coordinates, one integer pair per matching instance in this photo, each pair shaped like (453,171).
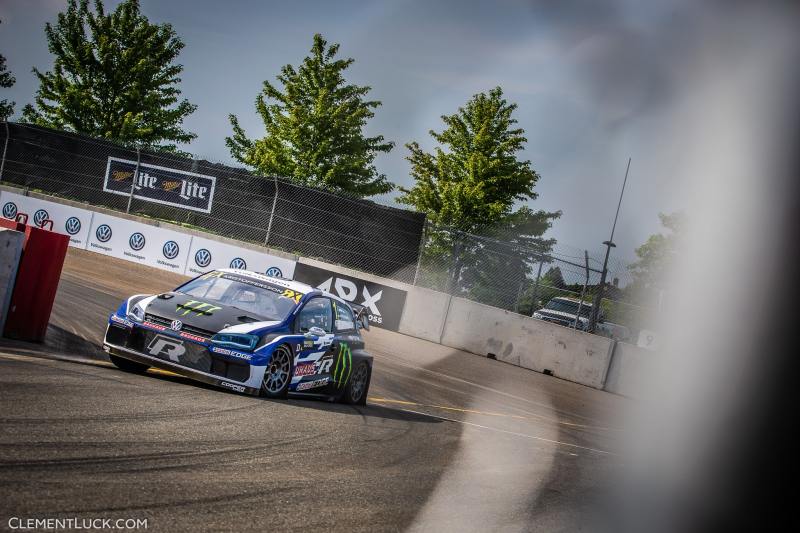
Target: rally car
(249,333)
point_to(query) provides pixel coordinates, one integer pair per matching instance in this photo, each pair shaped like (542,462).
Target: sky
(594,82)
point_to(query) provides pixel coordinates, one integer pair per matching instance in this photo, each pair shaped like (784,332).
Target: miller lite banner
(160,185)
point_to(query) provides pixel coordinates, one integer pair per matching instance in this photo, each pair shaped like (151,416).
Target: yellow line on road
(486,413)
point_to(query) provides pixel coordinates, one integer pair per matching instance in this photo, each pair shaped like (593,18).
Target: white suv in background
(565,312)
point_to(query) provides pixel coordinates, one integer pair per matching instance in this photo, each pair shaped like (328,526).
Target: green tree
(314,128)
(114,76)
(656,256)
(6,81)
(469,185)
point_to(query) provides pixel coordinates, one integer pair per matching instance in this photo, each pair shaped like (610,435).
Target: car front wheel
(278,374)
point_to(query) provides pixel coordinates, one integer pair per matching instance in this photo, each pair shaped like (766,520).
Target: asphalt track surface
(448,442)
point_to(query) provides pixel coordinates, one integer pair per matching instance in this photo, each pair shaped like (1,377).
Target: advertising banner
(384,304)
(206,255)
(160,185)
(68,220)
(142,243)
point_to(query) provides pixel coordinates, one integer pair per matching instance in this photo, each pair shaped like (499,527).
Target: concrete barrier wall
(527,342)
(10,252)
(628,370)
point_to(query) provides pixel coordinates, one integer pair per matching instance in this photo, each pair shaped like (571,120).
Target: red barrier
(37,281)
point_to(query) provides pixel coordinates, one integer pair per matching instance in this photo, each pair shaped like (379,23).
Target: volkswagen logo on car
(170,249)
(136,241)
(176,325)
(72,225)
(239,263)
(40,216)
(202,257)
(103,233)
(274,272)
(10,210)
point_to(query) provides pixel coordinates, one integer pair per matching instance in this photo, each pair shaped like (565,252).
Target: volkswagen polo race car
(246,332)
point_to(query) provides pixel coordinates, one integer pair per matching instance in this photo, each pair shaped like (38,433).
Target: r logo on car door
(162,346)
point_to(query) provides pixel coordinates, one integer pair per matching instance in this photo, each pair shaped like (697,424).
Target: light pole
(598,299)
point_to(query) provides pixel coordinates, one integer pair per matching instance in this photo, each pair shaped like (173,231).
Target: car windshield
(260,298)
(569,306)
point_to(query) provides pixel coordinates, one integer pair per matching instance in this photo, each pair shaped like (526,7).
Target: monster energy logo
(344,363)
(201,308)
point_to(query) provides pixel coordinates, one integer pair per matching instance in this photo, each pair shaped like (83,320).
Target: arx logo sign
(384,304)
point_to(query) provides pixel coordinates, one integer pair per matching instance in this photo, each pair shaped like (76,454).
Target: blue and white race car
(246,332)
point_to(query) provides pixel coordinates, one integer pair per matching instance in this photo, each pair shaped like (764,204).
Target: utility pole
(609,245)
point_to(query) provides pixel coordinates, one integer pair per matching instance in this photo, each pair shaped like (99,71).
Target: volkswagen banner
(206,255)
(141,243)
(71,221)
(384,304)
(161,185)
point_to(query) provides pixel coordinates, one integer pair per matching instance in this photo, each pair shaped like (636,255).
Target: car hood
(202,315)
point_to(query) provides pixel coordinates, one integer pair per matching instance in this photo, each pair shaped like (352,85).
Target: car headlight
(537,315)
(242,341)
(136,313)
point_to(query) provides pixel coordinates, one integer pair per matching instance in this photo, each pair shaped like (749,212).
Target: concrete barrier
(10,252)
(628,370)
(527,342)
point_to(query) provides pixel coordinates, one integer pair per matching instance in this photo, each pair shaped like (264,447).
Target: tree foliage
(114,76)
(469,185)
(6,81)
(656,256)
(314,128)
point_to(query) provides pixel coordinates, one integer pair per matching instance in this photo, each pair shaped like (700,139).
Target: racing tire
(127,365)
(355,392)
(278,374)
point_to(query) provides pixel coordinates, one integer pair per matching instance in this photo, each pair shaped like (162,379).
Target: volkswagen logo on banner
(40,216)
(176,325)
(72,225)
(103,232)
(239,263)
(274,272)
(202,258)
(136,241)
(10,210)
(170,249)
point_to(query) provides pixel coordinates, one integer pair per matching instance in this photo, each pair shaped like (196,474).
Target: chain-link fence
(523,275)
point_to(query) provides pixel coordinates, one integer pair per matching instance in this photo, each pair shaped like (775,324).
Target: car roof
(296,286)
(573,300)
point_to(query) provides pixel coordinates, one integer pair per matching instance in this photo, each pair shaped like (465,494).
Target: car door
(346,340)
(314,358)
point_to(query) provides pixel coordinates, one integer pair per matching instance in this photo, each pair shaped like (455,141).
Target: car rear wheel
(356,390)
(278,374)
(127,365)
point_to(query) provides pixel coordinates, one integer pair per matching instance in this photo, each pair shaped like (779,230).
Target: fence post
(536,285)
(421,248)
(583,290)
(272,213)
(135,179)
(455,271)
(5,147)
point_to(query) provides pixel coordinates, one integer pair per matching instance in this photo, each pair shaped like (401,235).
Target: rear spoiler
(361,315)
